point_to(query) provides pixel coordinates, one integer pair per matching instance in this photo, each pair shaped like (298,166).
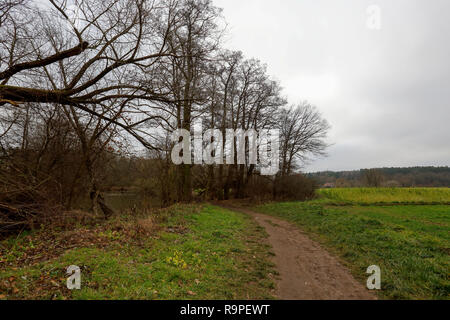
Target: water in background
(122,202)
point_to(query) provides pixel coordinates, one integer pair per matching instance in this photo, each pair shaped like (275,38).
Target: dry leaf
(56,284)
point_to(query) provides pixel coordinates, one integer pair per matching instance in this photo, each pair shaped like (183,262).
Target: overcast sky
(386,92)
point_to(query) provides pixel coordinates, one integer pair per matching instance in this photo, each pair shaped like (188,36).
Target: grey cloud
(386,93)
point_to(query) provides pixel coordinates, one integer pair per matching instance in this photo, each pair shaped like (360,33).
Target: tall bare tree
(192,46)
(303,131)
(106,55)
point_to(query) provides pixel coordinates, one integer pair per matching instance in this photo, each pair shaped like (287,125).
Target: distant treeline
(390,177)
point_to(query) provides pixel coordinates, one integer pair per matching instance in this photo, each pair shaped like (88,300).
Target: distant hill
(395,177)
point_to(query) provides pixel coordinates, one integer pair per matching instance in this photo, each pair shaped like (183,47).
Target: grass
(206,252)
(410,243)
(197,253)
(372,196)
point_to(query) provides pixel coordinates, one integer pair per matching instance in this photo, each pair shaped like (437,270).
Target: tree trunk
(221,183)
(97,200)
(211,188)
(228,182)
(187,183)
(239,192)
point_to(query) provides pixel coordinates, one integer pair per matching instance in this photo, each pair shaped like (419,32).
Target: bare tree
(192,46)
(303,132)
(108,56)
(372,177)
(254,106)
(228,65)
(241,96)
(6,6)
(95,136)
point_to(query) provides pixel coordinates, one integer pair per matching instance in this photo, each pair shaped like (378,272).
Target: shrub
(294,187)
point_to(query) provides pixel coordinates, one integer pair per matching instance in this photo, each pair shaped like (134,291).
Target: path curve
(307,271)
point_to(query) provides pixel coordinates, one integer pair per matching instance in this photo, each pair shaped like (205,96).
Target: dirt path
(307,271)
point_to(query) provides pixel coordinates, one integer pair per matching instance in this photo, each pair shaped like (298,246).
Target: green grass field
(411,243)
(365,196)
(200,253)
(205,252)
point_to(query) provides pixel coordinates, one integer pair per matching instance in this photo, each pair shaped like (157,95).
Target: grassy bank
(411,244)
(367,196)
(183,253)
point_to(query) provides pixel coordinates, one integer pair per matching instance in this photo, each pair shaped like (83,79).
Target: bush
(259,188)
(294,187)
